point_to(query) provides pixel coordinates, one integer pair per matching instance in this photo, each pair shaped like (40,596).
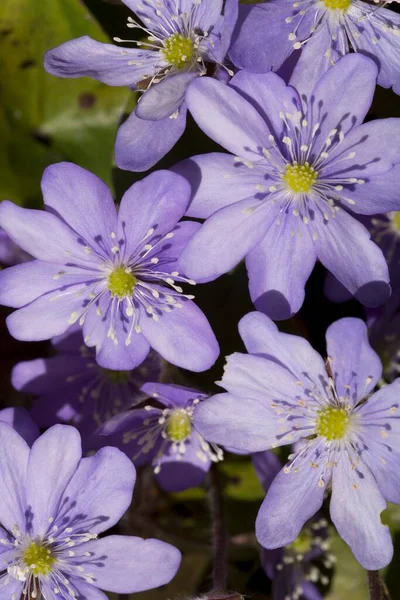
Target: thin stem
(219,574)
(375,586)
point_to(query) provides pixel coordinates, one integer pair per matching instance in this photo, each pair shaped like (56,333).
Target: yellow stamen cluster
(38,559)
(396,219)
(120,283)
(303,543)
(178,50)
(337,4)
(300,178)
(179,425)
(332,423)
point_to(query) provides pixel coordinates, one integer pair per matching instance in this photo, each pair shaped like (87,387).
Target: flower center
(178,50)
(179,425)
(396,219)
(38,559)
(121,283)
(117,376)
(332,423)
(303,543)
(300,178)
(337,4)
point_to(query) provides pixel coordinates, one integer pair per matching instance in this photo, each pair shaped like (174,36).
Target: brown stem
(219,573)
(375,586)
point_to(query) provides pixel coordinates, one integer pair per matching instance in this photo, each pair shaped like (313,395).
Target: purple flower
(384,334)
(10,253)
(22,422)
(268,33)
(73,388)
(299,167)
(349,439)
(295,569)
(163,434)
(114,273)
(54,505)
(185,39)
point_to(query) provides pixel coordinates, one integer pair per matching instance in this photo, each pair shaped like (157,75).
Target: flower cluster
(305,174)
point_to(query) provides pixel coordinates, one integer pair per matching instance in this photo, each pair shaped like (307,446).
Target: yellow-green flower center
(300,178)
(178,50)
(303,543)
(117,376)
(121,283)
(396,219)
(337,4)
(332,423)
(179,425)
(38,559)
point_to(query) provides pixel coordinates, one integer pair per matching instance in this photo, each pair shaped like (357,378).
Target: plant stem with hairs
(219,574)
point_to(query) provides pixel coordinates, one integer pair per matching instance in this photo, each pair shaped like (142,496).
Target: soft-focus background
(44,120)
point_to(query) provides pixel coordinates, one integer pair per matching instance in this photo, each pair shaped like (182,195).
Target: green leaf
(242,482)
(45,119)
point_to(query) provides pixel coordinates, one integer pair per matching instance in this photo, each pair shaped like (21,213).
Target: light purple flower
(349,438)
(162,433)
(113,273)
(295,569)
(73,388)
(297,170)
(185,39)
(22,422)
(54,505)
(268,33)
(10,253)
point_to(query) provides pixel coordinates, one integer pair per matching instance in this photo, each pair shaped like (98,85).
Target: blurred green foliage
(45,119)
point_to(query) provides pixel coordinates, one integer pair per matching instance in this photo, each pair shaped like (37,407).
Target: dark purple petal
(163,99)
(180,472)
(22,422)
(171,395)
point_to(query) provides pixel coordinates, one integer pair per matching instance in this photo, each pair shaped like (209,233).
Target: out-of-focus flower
(54,505)
(295,569)
(22,422)
(185,39)
(73,388)
(163,434)
(113,273)
(283,199)
(348,438)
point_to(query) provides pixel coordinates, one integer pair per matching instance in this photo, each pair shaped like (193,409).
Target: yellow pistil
(300,178)
(396,219)
(303,543)
(38,559)
(178,50)
(337,4)
(332,423)
(120,283)
(179,425)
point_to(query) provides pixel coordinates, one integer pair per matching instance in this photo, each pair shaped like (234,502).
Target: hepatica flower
(284,197)
(113,273)
(175,41)
(298,568)
(325,30)
(72,388)
(163,434)
(54,506)
(10,253)
(346,436)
